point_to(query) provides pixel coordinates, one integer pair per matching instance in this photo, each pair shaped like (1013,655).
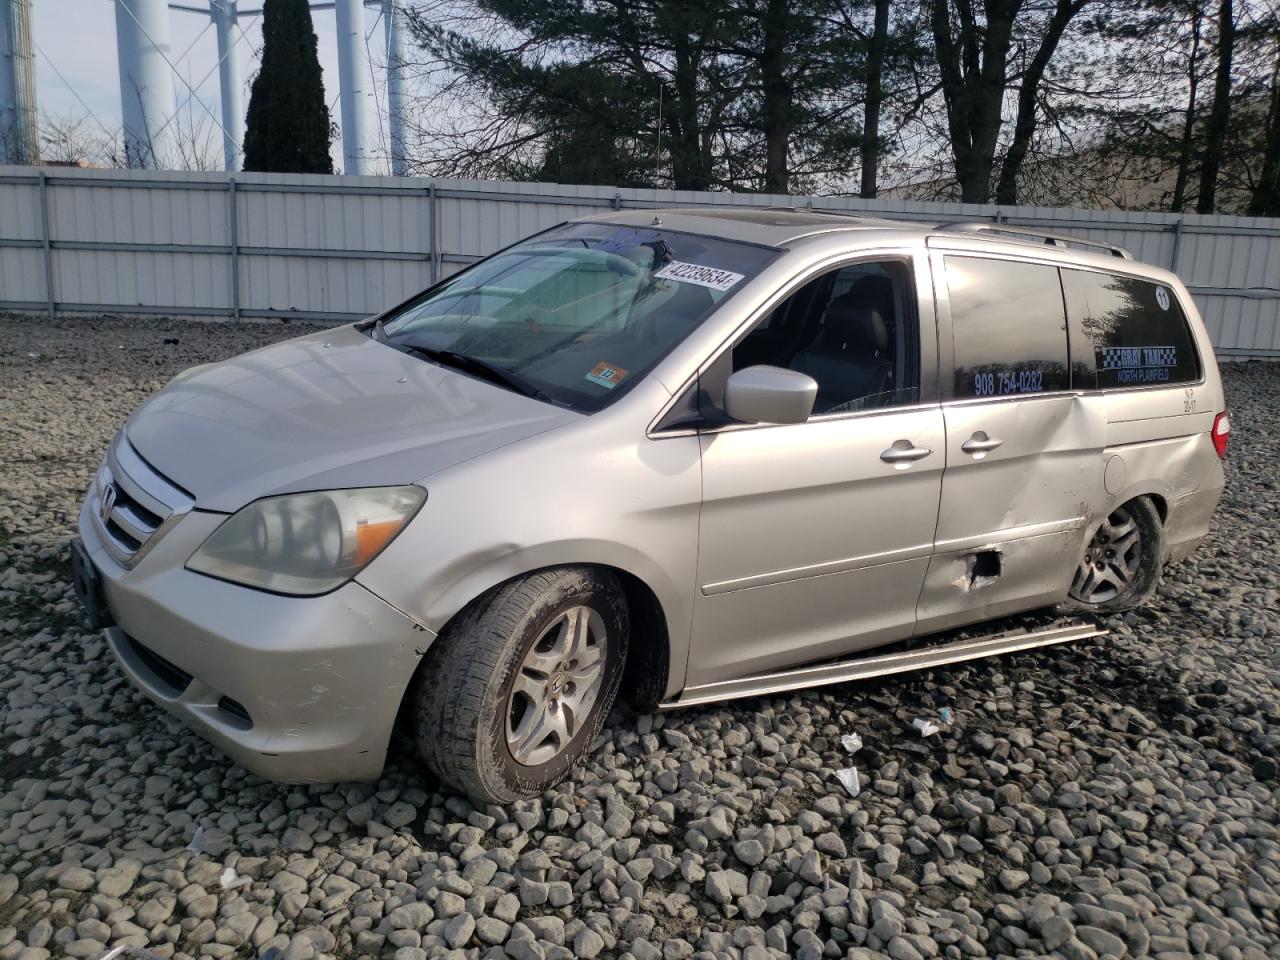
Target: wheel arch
(1156,492)
(658,648)
(1160,503)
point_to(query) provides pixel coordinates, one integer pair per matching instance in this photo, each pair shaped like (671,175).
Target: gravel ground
(1111,798)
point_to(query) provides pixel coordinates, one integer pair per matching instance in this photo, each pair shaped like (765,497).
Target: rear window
(1008,327)
(1128,332)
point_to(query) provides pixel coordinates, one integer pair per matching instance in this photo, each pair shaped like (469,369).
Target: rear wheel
(517,687)
(1121,565)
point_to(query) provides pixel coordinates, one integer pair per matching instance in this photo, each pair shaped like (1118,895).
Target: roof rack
(1034,236)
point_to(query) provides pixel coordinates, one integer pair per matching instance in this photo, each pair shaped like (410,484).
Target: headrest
(875,290)
(853,325)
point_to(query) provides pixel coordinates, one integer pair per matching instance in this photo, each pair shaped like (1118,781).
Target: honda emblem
(107,503)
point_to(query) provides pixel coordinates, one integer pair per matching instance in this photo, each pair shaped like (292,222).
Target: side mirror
(765,394)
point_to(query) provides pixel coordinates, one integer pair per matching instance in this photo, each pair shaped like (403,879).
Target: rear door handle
(980,444)
(904,452)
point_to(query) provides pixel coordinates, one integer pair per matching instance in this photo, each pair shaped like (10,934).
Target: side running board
(862,668)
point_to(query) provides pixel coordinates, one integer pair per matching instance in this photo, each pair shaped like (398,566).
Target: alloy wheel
(1111,561)
(556,686)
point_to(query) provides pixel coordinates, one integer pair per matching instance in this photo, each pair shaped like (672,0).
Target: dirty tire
(464,691)
(1145,577)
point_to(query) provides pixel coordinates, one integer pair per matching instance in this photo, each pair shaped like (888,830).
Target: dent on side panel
(1173,468)
(1033,571)
(338,685)
(1013,523)
(1049,470)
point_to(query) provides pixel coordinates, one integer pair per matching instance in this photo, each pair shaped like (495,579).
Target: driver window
(852,330)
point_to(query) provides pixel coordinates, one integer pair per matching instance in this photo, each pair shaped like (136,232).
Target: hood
(328,410)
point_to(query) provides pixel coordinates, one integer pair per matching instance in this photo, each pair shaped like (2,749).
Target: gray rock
(491,930)
(118,879)
(76,878)
(399,814)
(725,886)
(587,944)
(750,852)
(1056,931)
(458,930)
(1014,880)
(411,916)
(900,948)
(810,868)
(297,840)
(1101,941)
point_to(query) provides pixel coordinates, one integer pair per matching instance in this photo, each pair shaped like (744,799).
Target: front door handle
(904,452)
(980,445)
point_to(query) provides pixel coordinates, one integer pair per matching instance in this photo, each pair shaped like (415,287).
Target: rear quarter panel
(1159,444)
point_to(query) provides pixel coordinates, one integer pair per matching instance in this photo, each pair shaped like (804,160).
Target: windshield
(576,315)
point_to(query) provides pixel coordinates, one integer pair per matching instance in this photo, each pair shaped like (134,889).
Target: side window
(1008,327)
(853,330)
(1128,332)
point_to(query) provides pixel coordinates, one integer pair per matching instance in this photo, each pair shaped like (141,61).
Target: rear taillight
(1221,433)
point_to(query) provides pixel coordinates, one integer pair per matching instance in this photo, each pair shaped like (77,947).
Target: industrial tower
(147,71)
(19,142)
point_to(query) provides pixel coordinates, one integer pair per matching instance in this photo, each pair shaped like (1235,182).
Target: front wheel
(1121,565)
(515,689)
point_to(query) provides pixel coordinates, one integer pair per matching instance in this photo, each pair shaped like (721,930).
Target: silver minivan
(683,454)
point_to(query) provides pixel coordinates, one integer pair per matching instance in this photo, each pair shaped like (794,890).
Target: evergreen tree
(694,94)
(287,129)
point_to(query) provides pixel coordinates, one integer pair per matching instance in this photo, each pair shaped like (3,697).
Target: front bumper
(300,689)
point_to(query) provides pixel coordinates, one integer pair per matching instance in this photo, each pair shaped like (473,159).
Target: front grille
(164,673)
(132,503)
(129,522)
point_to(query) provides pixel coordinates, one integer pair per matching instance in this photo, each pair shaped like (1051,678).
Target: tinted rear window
(1130,332)
(1008,327)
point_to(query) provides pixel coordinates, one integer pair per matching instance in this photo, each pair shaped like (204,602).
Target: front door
(1024,450)
(815,537)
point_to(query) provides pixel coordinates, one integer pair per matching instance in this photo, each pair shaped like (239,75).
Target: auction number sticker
(711,277)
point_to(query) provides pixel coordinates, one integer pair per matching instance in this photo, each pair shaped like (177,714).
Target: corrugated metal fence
(334,247)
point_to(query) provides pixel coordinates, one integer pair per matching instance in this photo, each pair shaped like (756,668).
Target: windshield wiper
(489,371)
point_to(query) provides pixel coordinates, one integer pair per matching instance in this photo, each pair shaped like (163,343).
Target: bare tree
(1220,115)
(869,151)
(79,139)
(1029,83)
(1265,200)
(1189,115)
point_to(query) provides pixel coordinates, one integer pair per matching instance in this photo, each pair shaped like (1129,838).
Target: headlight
(307,543)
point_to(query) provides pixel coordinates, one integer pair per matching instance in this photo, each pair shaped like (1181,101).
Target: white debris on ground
(1116,797)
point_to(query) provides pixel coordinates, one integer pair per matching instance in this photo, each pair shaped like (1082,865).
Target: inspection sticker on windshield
(606,374)
(696,273)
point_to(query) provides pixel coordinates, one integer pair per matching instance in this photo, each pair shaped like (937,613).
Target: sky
(76,68)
